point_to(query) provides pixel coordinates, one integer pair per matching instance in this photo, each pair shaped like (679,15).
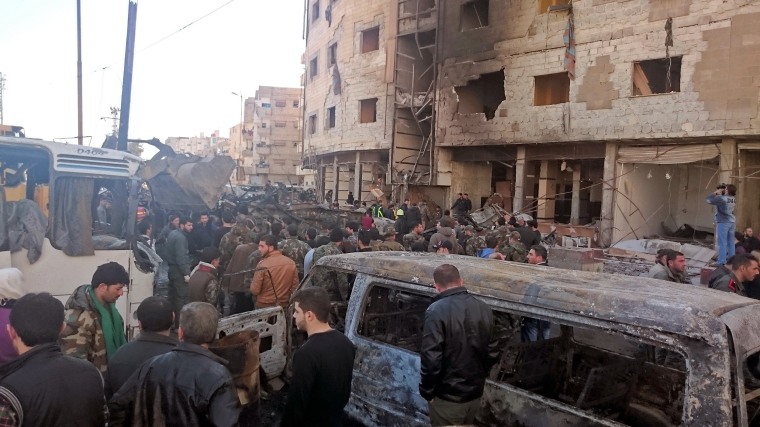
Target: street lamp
(240,140)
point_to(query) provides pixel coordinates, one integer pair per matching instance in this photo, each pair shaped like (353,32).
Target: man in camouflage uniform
(501,233)
(426,217)
(414,236)
(352,227)
(474,244)
(336,284)
(390,243)
(238,235)
(87,333)
(294,249)
(514,250)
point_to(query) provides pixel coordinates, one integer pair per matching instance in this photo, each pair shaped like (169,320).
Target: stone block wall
(357,76)
(718,41)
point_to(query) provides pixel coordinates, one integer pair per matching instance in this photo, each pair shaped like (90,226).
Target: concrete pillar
(727,160)
(575,204)
(608,193)
(336,178)
(519,197)
(547,189)
(358,177)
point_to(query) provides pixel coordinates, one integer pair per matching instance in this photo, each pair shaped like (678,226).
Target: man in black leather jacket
(42,386)
(459,347)
(188,386)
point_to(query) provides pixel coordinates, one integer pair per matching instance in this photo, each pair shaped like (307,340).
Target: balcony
(263,150)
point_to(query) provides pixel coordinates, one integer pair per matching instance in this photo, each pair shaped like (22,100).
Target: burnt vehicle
(622,350)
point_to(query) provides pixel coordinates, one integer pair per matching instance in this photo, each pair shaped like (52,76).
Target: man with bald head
(459,347)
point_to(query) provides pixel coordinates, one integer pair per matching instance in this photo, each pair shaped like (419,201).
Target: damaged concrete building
(625,112)
(275,136)
(364,129)
(267,144)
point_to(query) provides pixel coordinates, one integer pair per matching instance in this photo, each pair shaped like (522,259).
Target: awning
(748,146)
(668,154)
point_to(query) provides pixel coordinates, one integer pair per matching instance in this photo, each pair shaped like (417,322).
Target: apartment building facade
(621,112)
(356,137)
(275,137)
(198,145)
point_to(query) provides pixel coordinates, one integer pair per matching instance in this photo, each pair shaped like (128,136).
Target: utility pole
(114,121)
(80,126)
(126,86)
(2,89)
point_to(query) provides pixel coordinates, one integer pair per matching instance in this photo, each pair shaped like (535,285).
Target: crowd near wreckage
(620,350)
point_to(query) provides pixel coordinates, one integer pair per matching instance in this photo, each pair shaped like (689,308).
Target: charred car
(622,350)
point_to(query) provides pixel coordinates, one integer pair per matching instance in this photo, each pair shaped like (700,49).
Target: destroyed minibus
(49,196)
(622,351)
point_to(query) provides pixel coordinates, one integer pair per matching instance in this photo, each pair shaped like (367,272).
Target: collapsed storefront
(661,188)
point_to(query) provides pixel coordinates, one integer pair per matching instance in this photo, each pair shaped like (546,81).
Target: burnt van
(622,350)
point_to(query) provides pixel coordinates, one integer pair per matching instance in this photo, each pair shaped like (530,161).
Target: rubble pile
(632,267)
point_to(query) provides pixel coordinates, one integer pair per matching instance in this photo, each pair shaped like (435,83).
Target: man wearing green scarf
(94,328)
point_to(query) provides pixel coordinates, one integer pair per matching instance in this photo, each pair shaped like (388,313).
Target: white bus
(49,228)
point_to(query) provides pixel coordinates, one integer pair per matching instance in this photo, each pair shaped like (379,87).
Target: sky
(181,85)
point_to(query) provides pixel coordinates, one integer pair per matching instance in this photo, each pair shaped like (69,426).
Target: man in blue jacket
(724,199)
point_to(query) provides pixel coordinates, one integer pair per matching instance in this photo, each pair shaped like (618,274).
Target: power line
(172,34)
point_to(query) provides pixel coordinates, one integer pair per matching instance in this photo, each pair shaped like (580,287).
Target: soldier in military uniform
(294,248)
(514,250)
(425,215)
(474,244)
(336,284)
(238,235)
(94,329)
(390,243)
(414,236)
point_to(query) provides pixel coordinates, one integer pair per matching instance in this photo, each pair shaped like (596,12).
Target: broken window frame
(331,117)
(313,124)
(315,11)
(280,103)
(313,67)
(332,54)
(363,329)
(643,72)
(473,11)
(364,45)
(364,119)
(549,92)
(296,104)
(279,124)
(470,91)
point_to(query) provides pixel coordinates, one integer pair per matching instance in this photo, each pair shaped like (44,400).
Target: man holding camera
(724,199)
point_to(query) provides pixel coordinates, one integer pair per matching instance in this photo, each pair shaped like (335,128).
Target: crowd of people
(71,361)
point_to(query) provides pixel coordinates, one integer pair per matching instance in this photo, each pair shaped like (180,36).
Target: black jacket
(528,237)
(458,347)
(188,386)
(413,215)
(131,355)
(53,389)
